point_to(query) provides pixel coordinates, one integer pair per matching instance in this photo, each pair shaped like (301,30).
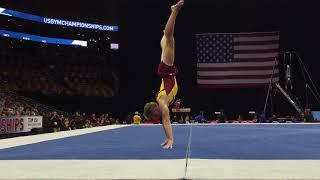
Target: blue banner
(58,22)
(35,38)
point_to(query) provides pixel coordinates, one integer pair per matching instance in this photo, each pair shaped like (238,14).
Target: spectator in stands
(9,111)
(19,111)
(187,119)
(117,121)
(65,125)
(28,112)
(113,120)
(2,104)
(200,118)
(308,116)
(46,124)
(175,118)
(192,119)
(11,105)
(129,118)
(177,104)
(255,118)
(104,122)
(77,121)
(93,119)
(87,124)
(298,118)
(61,119)
(101,120)
(55,122)
(34,111)
(107,119)
(273,118)
(222,117)
(262,117)
(136,118)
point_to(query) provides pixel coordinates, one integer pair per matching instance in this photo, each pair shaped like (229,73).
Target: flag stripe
(237,64)
(254,59)
(256,51)
(256,34)
(235,68)
(237,81)
(256,39)
(257,42)
(237,77)
(230,73)
(232,86)
(257,47)
(260,55)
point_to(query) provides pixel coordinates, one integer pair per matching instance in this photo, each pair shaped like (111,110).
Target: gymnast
(167,71)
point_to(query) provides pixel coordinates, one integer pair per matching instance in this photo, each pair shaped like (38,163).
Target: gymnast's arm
(166,120)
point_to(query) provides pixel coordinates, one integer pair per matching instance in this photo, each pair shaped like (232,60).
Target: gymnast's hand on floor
(167,144)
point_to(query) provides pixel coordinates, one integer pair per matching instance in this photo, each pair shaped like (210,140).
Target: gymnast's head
(151,110)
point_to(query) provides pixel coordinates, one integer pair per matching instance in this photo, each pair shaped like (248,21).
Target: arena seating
(54,70)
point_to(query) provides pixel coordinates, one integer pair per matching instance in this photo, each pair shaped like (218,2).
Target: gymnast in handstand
(167,71)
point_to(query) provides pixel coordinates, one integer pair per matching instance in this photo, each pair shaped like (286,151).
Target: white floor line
(24,140)
(93,169)
(253,169)
(160,169)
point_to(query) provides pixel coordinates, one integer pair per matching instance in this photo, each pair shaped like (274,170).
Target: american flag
(237,60)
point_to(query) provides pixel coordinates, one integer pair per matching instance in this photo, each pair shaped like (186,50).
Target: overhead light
(114,46)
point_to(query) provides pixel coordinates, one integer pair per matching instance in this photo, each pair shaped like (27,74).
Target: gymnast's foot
(177,7)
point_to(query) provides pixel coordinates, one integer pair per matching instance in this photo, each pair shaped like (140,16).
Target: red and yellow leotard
(169,86)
